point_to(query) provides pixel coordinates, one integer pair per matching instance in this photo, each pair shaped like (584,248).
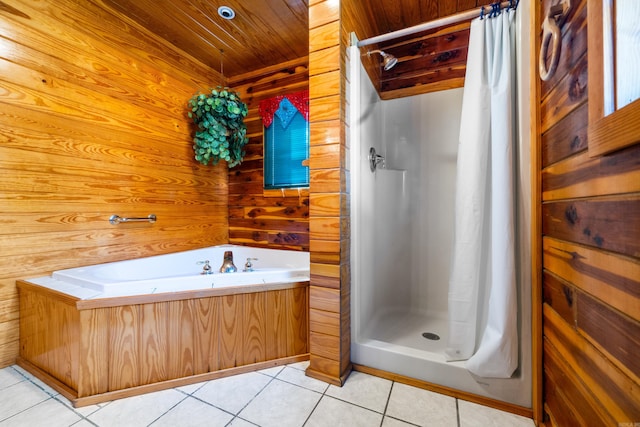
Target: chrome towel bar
(116,219)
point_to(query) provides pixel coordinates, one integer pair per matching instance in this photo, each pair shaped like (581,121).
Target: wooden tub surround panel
(97,350)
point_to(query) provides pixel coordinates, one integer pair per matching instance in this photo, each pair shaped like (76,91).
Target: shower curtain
(483,324)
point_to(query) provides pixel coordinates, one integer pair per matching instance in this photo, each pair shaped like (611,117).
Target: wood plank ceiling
(269,32)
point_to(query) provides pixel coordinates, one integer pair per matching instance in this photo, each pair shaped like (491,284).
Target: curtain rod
(453,19)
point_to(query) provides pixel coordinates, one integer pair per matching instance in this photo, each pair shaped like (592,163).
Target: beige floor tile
(474,415)
(272,372)
(332,412)
(281,404)
(297,377)
(239,422)
(19,397)
(136,411)
(9,377)
(50,413)
(422,407)
(192,412)
(363,390)
(302,366)
(392,422)
(233,393)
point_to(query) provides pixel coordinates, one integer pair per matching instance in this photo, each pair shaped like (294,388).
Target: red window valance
(268,107)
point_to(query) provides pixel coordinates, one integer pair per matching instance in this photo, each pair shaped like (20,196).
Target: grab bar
(116,219)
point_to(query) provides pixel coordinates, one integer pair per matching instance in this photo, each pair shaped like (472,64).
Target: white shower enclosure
(402,217)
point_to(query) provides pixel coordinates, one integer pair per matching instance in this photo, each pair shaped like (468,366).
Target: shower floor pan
(407,330)
(393,342)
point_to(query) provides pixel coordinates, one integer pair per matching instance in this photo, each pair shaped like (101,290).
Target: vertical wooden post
(329,310)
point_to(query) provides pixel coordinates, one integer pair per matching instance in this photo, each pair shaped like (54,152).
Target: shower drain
(431,336)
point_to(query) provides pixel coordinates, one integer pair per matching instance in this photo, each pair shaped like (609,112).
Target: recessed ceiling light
(226,12)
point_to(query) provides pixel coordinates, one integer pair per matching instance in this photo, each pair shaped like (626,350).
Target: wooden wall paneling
(328,196)
(610,392)
(93,123)
(560,296)
(567,95)
(573,43)
(426,63)
(567,400)
(257,217)
(603,223)
(583,176)
(612,333)
(537,292)
(611,278)
(566,139)
(589,228)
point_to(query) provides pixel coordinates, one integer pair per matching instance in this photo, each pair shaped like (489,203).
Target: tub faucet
(248,266)
(227,263)
(206,268)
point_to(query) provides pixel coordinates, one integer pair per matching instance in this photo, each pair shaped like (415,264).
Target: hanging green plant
(221,133)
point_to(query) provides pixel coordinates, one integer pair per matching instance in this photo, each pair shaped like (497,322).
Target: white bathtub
(180,271)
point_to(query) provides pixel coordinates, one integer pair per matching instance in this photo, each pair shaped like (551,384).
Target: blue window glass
(286,146)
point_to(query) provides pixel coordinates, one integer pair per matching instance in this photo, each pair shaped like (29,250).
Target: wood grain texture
(613,333)
(613,279)
(95,354)
(598,222)
(93,123)
(569,138)
(583,176)
(206,334)
(611,393)
(257,37)
(257,217)
(329,197)
(573,43)
(154,342)
(590,231)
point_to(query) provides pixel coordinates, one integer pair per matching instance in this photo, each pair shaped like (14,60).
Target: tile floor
(278,397)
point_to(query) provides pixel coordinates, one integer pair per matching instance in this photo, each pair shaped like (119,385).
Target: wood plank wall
(93,123)
(590,253)
(329,234)
(276,219)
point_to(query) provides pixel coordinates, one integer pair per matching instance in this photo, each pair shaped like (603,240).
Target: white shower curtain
(483,324)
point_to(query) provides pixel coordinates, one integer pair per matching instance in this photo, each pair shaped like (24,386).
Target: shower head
(388,60)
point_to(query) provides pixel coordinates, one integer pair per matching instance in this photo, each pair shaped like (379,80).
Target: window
(286,140)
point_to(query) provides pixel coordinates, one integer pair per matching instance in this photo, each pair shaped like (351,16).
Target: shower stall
(402,216)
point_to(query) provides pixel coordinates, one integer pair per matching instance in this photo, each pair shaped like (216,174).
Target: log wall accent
(329,236)
(271,218)
(93,123)
(590,234)
(98,350)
